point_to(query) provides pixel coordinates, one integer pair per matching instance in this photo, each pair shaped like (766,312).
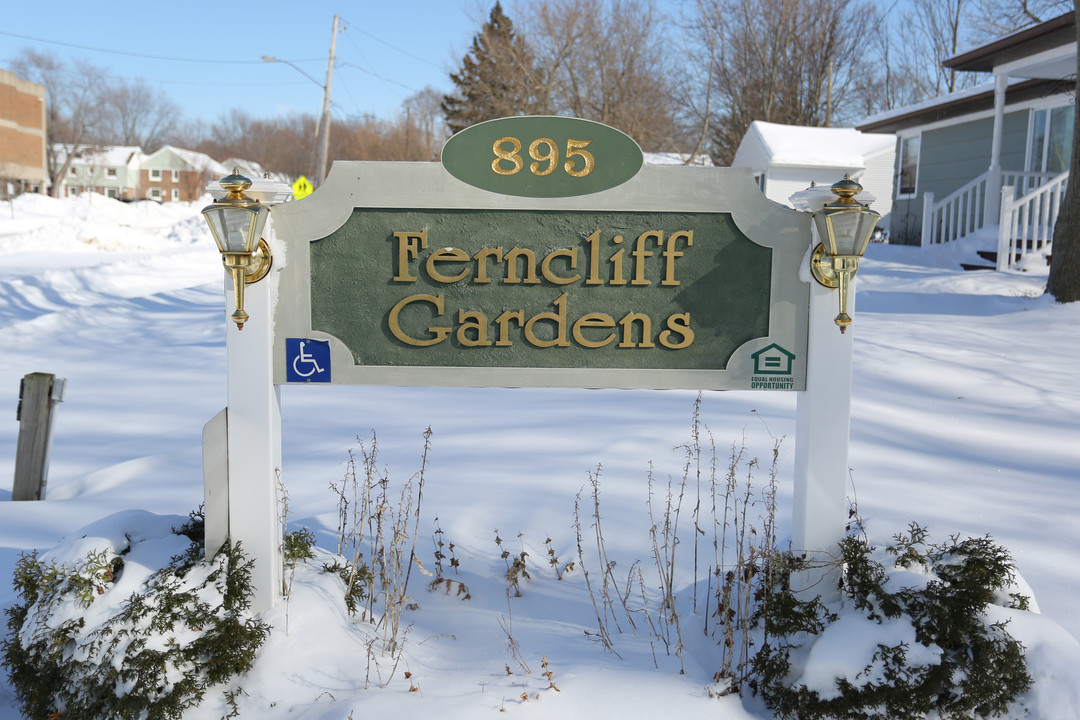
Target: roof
(1053,33)
(195,160)
(962,102)
(661,158)
(818,146)
(1041,61)
(104,156)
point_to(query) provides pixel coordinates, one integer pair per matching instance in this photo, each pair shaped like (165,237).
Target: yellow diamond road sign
(302,188)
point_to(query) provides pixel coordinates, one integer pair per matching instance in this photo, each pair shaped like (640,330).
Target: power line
(112,51)
(376,38)
(377,75)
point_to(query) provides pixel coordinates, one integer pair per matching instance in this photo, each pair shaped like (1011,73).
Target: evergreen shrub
(960,665)
(154,655)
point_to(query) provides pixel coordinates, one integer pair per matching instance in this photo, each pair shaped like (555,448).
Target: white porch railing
(959,213)
(969,208)
(1027,222)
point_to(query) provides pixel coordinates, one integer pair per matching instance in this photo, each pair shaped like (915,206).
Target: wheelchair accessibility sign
(307,360)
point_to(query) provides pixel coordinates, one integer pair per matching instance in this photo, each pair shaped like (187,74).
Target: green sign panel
(542,157)
(404,274)
(540,288)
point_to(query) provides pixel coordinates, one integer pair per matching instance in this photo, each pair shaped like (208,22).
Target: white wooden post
(1006,228)
(822,429)
(927,220)
(215,447)
(254,439)
(993,180)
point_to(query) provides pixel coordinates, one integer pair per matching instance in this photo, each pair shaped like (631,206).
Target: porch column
(992,207)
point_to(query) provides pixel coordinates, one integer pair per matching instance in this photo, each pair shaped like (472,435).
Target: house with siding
(785,159)
(173,174)
(992,156)
(112,171)
(23,164)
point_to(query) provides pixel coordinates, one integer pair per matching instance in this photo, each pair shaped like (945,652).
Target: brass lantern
(236,222)
(844,226)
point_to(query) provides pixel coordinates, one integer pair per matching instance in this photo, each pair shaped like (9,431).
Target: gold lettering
(616,263)
(446,255)
(640,253)
(627,323)
(408,246)
(481,266)
(678,324)
(670,254)
(559,318)
(439,333)
(530,267)
(503,321)
(593,320)
(594,259)
(475,323)
(551,277)
(551,157)
(510,156)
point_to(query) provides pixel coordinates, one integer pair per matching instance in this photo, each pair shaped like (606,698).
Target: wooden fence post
(38,394)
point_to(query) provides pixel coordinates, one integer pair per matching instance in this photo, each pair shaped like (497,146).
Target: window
(176,176)
(176,194)
(155,176)
(71,171)
(110,172)
(154,194)
(1050,140)
(111,192)
(907,183)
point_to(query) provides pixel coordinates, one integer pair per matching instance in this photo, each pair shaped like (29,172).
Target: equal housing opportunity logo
(772,369)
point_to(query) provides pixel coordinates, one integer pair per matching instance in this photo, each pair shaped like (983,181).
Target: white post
(993,180)
(254,439)
(926,238)
(822,428)
(1006,229)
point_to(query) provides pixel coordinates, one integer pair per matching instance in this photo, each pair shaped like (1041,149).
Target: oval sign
(542,156)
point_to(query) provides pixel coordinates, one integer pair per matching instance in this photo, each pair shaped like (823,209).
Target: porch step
(991,256)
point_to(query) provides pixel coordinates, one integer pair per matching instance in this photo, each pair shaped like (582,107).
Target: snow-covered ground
(966,419)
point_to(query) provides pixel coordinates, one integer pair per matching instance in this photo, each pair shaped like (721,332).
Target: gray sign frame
(659,189)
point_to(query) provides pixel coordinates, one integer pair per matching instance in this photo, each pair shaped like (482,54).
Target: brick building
(173,174)
(22,134)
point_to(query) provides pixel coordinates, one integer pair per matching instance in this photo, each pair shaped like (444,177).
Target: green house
(992,159)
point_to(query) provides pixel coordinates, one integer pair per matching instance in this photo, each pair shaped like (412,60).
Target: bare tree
(136,114)
(785,61)
(993,18)
(74,108)
(943,24)
(606,60)
(425,129)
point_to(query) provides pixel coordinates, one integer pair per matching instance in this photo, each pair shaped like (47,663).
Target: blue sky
(385,53)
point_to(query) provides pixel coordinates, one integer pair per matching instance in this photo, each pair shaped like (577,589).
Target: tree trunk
(1064,281)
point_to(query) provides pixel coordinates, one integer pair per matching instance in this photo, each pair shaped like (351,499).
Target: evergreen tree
(498,77)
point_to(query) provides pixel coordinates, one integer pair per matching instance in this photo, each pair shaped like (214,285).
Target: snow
(965,419)
(818,147)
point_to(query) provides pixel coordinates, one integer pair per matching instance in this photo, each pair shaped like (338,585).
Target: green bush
(184,631)
(979,669)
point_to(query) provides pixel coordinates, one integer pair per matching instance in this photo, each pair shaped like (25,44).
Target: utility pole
(324,141)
